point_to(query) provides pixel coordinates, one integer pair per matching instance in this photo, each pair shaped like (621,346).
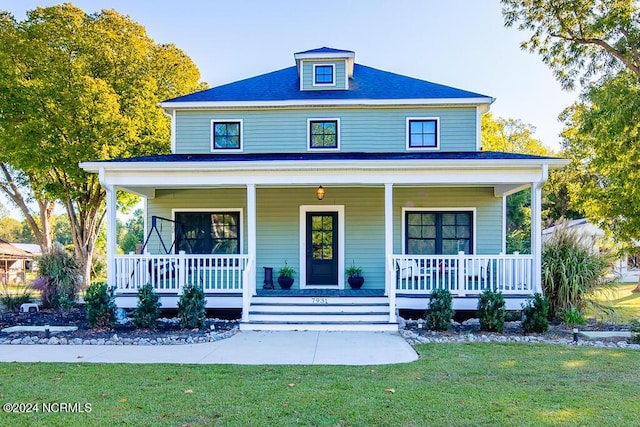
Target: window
(226,135)
(208,232)
(323,74)
(438,233)
(423,133)
(323,134)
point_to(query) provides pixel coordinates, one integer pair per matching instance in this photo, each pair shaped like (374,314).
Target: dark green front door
(322,248)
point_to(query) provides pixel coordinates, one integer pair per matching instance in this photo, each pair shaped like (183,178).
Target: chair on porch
(479,277)
(413,275)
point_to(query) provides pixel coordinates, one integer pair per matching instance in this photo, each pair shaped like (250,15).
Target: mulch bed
(77,317)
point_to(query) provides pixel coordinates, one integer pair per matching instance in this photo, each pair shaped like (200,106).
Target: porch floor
(320,292)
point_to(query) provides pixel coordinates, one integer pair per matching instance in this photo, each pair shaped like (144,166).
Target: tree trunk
(637,288)
(40,227)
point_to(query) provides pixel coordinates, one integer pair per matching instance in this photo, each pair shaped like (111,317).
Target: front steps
(319,312)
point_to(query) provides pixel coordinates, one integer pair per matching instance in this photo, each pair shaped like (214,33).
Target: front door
(322,248)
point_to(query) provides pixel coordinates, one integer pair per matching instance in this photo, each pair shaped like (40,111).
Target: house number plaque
(319,300)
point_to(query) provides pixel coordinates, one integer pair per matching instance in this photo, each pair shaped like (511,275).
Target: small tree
(148,309)
(100,305)
(536,314)
(440,312)
(192,307)
(58,278)
(491,309)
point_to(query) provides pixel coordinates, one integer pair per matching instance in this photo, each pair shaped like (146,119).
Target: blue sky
(460,43)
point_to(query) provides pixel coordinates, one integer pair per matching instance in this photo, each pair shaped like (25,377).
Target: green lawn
(451,384)
(625,302)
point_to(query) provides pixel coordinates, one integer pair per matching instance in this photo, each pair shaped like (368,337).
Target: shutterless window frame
(435,120)
(215,149)
(310,123)
(316,74)
(445,210)
(175,213)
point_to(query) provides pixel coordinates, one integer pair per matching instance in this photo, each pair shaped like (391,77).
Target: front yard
(451,384)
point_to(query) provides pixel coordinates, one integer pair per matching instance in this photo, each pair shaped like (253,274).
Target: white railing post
(247,291)
(391,291)
(181,270)
(462,267)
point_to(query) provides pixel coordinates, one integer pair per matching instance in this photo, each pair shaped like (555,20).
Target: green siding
(362,129)
(307,75)
(278,222)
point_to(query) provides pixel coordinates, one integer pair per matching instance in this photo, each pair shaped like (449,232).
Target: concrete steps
(319,313)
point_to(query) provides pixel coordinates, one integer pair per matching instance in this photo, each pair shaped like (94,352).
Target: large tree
(579,39)
(77,87)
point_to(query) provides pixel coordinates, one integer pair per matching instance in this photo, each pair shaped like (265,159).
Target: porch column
(111,229)
(536,234)
(249,285)
(388,250)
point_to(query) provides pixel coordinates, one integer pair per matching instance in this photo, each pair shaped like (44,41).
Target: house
(13,261)
(627,267)
(320,166)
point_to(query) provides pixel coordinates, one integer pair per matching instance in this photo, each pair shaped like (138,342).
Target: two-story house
(321,166)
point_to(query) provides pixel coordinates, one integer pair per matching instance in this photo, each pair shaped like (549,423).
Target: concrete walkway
(244,348)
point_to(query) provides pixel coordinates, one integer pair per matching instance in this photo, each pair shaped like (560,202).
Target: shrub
(635,332)
(100,305)
(572,316)
(492,312)
(191,307)
(536,314)
(58,278)
(572,272)
(440,311)
(148,309)
(13,300)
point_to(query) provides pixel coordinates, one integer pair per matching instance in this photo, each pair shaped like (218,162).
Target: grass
(451,384)
(625,302)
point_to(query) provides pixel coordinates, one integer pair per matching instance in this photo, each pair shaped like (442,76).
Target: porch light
(320,193)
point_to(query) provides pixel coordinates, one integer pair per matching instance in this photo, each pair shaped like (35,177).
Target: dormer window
(324,75)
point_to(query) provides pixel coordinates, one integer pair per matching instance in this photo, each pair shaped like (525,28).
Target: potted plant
(285,276)
(354,277)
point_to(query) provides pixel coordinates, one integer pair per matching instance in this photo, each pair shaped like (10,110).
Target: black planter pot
(285,282)
(355,281)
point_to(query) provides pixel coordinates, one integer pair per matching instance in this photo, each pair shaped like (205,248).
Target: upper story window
(226,135)
(323,134)
(423,133)
(324,74)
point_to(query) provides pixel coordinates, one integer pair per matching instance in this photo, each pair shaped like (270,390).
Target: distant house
(627,267)
(13,261)
(319,166)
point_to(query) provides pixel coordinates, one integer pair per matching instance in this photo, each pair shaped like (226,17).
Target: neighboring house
(319,166)
(627,267)
(13,261)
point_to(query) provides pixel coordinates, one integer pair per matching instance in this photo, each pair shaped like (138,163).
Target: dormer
(325,68)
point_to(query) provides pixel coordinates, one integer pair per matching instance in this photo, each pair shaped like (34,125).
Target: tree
(80,87)
(132,232)
(10,229)
(579,39)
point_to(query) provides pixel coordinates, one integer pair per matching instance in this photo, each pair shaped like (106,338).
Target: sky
(459,43)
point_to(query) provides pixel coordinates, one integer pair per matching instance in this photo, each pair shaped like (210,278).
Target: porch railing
(170,273)
(463,274)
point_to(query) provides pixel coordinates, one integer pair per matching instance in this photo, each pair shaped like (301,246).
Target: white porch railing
(170,273)
(463,274)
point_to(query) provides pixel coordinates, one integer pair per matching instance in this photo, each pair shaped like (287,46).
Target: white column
(536,234)
(390,285)
(251,220)
(111,234)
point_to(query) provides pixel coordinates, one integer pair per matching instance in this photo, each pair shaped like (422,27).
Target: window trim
(474,222)
(333,74)
(323,119)
(408,133)
(212,210)
(212,136)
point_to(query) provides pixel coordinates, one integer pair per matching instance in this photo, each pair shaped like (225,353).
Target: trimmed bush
(492,312)
(440,312)
(635,332)
(100,305)
(536,314)
(58,278)
(148,309)
(191,307)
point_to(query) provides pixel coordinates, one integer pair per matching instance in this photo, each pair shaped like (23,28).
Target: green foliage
(572,316)
(12,299)
(287,271)
(100,305)
(536,314)
(579,39)
(192,307)
(148,309)
(492,311)
(440,311)
(353,271)
(58,278)
(132,232)
(635,332)
(572,270)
